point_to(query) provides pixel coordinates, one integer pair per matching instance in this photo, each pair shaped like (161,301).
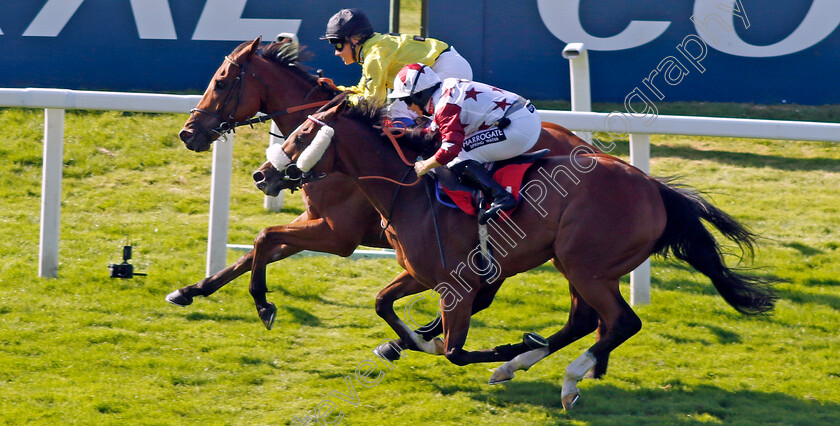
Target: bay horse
(337,217)
(593,215)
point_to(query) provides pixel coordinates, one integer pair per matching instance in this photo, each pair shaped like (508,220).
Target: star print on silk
(447,92)
(483,126)
(472,94)
(503,104)
(496,89)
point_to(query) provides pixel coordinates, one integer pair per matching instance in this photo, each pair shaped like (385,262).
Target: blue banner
(156,45)
(691,50)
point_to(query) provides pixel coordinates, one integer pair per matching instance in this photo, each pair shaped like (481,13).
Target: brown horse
(337,217)
(595,216)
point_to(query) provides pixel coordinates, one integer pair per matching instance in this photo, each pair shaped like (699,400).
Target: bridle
(229,124)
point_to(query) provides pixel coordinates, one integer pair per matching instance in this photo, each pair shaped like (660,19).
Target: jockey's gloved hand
(327,82)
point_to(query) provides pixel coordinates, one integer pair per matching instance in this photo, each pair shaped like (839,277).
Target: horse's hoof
(500,376)
(534,341)
(267,315)
(570,400)
(176,298)
(387,351)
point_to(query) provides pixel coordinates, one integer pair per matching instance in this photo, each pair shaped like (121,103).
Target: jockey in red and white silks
(468,114)
(478,123)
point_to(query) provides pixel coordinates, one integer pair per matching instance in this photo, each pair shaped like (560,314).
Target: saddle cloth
(508,173)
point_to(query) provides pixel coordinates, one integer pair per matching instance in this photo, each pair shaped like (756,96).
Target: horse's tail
(687,239)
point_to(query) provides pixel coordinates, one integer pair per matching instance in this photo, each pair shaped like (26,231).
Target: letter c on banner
(821,20)
(562,18)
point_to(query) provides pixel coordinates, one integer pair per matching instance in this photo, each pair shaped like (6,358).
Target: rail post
(51,192)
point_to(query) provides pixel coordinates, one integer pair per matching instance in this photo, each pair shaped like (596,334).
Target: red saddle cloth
(509,176)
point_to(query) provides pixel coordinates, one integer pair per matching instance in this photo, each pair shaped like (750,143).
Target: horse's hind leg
(619,321)
(583,320)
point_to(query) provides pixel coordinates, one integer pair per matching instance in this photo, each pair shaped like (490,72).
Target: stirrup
(495,207)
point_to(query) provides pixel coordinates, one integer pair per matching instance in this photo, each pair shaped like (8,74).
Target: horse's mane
(372,115)
(290,56)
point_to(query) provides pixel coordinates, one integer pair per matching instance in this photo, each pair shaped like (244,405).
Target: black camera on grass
(124,269)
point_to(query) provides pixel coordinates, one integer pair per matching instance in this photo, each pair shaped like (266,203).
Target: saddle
(508,173)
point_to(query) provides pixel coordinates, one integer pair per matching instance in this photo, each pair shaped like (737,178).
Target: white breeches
(519,137)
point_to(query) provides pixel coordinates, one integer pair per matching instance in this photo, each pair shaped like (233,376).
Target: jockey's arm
(373,84)
(448,120)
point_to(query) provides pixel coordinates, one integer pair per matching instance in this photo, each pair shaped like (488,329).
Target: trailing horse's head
(304,157)
(234,94)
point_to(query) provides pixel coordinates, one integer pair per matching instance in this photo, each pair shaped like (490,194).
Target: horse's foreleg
(315,235)
(403,285)
(209,285)
(482,301)
(456,324)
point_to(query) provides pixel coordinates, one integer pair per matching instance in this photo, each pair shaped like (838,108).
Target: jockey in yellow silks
(383,55)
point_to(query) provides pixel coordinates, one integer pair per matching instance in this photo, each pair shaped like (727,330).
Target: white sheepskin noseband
(277,157)
(310,156)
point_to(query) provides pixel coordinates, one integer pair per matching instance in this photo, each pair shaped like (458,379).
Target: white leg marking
(434,346)
(523,361)
(574,373)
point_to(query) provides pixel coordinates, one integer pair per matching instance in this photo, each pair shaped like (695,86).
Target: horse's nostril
(185,135)
(258,176)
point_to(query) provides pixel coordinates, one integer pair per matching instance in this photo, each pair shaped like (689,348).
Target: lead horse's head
(234,94)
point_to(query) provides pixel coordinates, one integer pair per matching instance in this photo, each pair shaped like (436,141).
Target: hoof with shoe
(501,375)
(534,341)
(570,400)
(267,315)
(176,298)
(387,351)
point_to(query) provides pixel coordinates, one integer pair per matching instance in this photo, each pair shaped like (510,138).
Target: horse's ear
(340,106)
(253,46)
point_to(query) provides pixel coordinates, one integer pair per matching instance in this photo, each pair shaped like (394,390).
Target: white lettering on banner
(821,20)
(562,18)
(52,18)
(222,20)
(219,20)
(153,19)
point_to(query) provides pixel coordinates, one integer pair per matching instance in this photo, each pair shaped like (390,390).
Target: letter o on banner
(821,20)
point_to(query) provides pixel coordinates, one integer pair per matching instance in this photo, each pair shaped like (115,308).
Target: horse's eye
(220,85)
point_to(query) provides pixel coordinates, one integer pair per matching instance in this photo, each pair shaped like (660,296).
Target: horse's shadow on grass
(602,403)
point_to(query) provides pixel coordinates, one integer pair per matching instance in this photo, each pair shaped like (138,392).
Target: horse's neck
(361,153)
(294,91)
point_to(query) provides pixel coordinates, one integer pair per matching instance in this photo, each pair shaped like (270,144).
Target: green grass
(87,349)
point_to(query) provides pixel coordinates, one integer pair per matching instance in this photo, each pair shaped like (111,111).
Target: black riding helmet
(347,23)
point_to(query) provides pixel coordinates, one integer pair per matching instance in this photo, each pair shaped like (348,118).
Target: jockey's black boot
(474,174)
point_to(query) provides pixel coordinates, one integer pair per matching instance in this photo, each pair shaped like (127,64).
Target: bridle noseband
(229,124)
